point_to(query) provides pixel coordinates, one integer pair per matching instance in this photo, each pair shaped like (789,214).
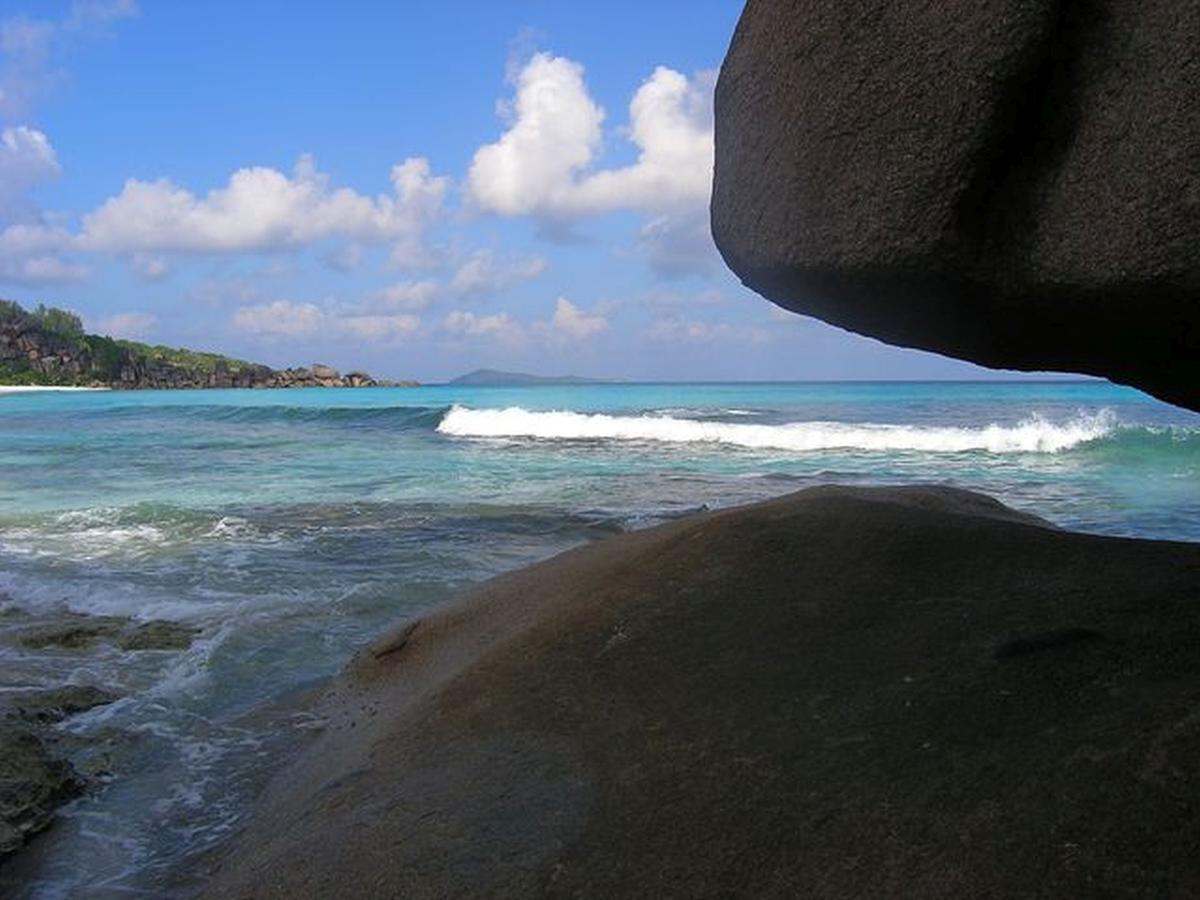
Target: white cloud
(280,319)
(671,124)
(26,160)
(132,325)
(466,324)
(482,274)
(554,132)
(569,322)
(410,295)
(378,328)
(540,165)
(264,209)
(30,254)
(284,319)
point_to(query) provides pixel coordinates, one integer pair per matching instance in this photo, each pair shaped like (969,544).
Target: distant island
(496,378)
(49,347)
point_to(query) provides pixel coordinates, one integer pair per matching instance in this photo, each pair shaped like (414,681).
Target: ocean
(290,527)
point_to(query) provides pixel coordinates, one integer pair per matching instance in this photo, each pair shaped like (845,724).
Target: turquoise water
(291,526)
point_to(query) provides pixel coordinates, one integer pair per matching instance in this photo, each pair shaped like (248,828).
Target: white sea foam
(1032,435)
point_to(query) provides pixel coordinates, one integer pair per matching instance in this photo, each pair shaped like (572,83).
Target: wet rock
(75,632)
(33,784)
(158,634)
(55,704)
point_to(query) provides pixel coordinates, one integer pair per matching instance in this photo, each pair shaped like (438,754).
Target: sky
(414,189)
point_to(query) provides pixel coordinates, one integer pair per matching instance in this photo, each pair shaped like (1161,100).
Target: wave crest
(1032,435)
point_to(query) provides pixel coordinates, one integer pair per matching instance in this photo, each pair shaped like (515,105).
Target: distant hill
(48,346)
(494,377)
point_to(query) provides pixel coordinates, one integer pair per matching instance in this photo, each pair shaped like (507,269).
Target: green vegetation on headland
(48,346)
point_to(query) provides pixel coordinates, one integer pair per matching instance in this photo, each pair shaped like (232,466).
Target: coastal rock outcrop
(1014,183)
(843,693)
(49,346)
(35,778)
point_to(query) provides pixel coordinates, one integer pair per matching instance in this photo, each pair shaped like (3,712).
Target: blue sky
(414,189)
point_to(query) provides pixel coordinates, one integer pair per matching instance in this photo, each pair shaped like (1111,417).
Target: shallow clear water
(291,526)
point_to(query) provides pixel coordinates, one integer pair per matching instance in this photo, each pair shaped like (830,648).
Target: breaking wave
(1032,435)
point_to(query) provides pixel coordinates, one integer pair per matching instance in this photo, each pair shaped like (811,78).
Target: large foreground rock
(843,693)
(1015,182)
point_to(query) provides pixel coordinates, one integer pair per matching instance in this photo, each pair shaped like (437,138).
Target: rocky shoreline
(846,692)
(42,768)
(49,347)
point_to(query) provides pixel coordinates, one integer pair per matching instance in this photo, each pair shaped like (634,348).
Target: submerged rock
(1015,182)
(54,704)
(159,634)
(33,784)
(77,631)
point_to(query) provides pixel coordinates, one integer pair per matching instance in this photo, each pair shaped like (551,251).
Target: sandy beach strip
(38,388)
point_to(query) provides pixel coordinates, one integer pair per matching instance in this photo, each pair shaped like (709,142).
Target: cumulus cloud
(296,321)
(26,160)
(500,326)
(31,251)
(263,209)
(544,164)
(131,325)
(541,164)
(281,318)
(671,124)
(571,323)
(554,132)
(377,329)
(482,274)
(31,254)
(409,295)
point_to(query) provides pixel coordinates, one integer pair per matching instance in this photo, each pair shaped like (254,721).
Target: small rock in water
(33,783)
(159,634)
(79,632)
(55,704)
